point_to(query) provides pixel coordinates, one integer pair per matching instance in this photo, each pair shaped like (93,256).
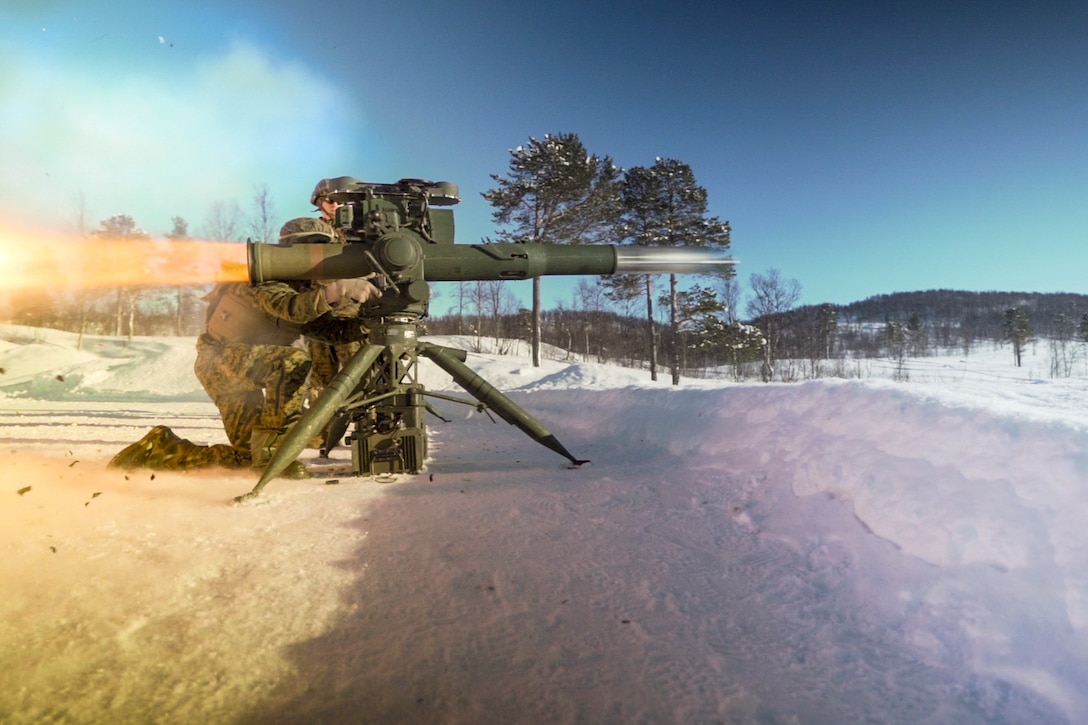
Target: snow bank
(832,551)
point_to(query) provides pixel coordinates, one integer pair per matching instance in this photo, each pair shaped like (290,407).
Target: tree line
(779,341)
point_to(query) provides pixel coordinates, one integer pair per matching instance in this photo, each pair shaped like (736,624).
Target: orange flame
(41,260)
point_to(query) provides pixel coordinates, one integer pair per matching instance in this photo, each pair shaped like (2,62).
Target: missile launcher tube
(402,254)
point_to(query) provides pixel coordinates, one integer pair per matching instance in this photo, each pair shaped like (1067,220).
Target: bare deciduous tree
(82,295)
(262,226)
(772,296)
(223,223)
(729,292)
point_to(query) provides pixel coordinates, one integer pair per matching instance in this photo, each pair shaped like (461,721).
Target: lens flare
(43,260)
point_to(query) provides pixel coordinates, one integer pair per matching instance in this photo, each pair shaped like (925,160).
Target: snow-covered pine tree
(555,192)
(1018,331)
(664,206)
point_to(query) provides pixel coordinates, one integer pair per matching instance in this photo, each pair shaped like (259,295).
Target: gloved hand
(357,289)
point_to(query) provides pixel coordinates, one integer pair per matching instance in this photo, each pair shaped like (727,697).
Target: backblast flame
(41,260)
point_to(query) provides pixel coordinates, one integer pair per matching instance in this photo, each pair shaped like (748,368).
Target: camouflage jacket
(275,313)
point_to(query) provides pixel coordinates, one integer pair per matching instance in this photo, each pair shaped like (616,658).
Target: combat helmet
(328,187)
(307,230)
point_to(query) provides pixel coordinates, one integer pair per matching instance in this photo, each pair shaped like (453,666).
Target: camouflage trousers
(258,389)
(327,359)
(163,450)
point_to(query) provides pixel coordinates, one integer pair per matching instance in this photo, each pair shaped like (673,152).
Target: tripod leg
(434,411)
(315,419)
(337,428)
(493,398)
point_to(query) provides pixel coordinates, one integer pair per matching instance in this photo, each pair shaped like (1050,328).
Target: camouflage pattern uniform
(248,363)
(327,358)
(250,366)
(162,450)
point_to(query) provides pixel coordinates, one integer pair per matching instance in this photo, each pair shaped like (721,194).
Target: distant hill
(980,312)
(935,319)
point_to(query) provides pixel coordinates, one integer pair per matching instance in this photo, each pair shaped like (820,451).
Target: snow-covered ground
(823,552)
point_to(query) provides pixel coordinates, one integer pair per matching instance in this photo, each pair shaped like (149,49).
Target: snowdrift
(830,551)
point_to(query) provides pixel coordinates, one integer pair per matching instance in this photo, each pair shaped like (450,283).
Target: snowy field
(836,551)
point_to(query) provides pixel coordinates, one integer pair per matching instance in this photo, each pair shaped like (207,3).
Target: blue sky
(859,147)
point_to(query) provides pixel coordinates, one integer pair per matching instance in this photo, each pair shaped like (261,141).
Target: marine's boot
(263,444)
(148,452)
